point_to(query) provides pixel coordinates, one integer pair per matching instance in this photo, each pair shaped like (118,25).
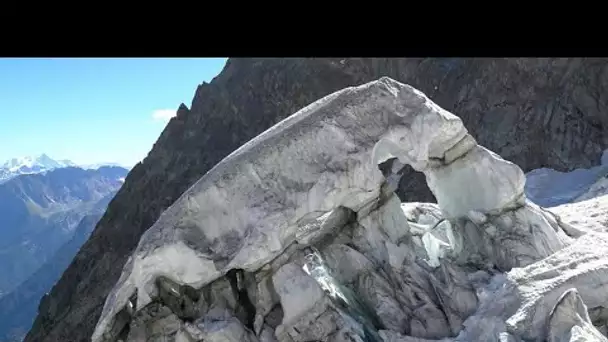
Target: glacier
(298,236)
(550,188)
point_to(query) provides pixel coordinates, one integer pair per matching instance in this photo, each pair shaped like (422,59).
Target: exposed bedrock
(298,236)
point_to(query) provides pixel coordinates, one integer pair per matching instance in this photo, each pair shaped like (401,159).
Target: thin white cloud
(163,114)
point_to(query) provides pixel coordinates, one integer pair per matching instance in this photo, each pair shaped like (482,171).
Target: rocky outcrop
(306,204)
(509,105)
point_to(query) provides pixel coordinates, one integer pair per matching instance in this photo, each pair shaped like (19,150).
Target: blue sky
(93,110)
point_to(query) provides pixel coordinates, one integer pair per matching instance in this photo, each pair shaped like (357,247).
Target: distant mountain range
(98,165)
(42,163)
(48,208)
(38,213)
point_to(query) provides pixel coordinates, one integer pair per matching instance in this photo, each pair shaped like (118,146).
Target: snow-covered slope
(98,165)
(30,165)
(42,163)
(588,215)
(33,164)
(548,188)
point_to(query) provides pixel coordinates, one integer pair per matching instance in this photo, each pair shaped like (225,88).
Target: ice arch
(312,174)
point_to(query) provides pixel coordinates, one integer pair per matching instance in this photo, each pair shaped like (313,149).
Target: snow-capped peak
(98,165)
(15,163)
(67,162)
(29,165)
(42,163)
(33,164)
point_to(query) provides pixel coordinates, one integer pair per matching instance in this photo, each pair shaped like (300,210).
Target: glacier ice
(570,321)
(298,236)
(550,188)
(580,217)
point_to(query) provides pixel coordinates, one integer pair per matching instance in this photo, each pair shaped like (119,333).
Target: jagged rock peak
(182,108)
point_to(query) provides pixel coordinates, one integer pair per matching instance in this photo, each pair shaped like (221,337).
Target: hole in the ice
(391,170)
(386,167)
(236,277)
(402,177)
(124,333)
(122,324)
(417,188)
(275,317)
(599,318)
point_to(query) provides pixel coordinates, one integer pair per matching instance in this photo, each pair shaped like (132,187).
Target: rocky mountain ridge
(535,112)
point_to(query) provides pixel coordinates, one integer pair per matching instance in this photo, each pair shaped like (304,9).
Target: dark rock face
(535,112)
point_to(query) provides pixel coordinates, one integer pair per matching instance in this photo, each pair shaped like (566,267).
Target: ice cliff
(298,236)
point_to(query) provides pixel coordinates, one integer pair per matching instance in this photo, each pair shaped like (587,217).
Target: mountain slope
(535,112)
(18,308)
(39,212)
